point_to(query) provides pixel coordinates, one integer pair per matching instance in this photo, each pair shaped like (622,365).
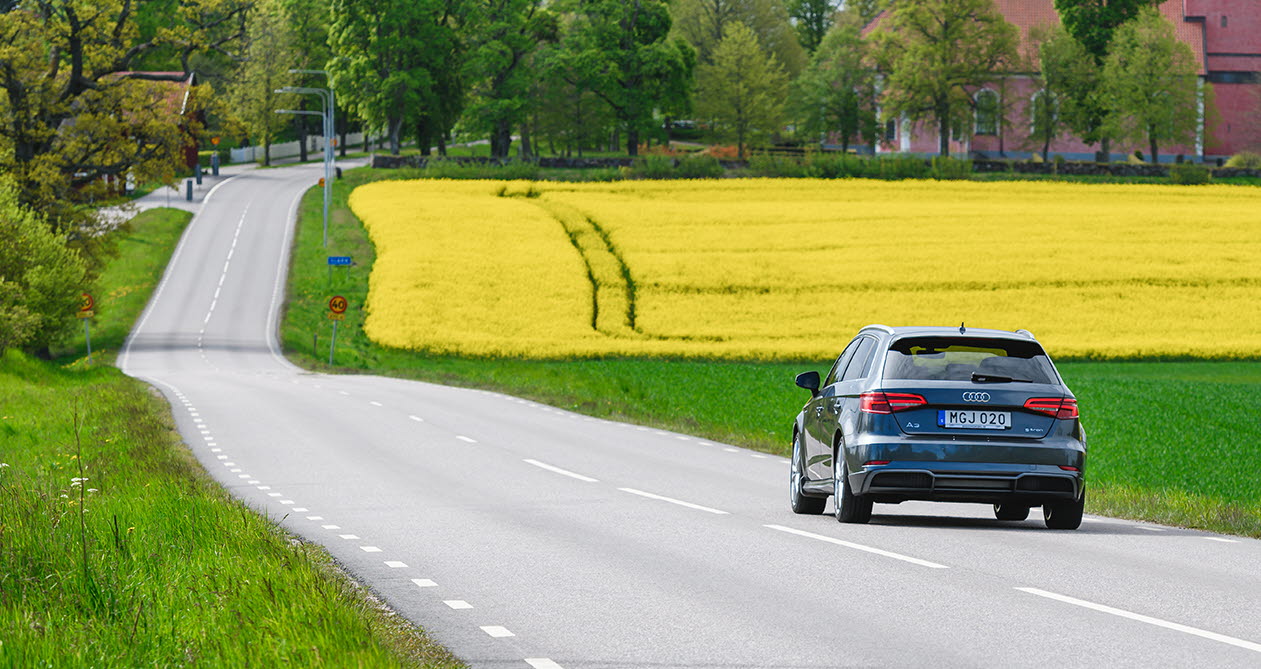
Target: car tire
(1011,511)
(801,503)
(850,508)
(1064,515)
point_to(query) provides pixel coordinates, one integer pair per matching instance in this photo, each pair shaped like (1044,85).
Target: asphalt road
(520,535)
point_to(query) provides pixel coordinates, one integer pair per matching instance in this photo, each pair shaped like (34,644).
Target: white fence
(315,145)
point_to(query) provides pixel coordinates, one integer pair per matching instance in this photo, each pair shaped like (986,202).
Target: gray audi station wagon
(940,414)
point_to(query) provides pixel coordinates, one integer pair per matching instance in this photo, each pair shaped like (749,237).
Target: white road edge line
(671,500)
(562,472)
(1212,636)
(858,547)
(467,439)
(1225,541)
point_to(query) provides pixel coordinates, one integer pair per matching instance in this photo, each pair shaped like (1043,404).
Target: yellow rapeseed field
(790,269)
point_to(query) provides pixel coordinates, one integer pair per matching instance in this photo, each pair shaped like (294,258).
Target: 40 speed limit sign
(337,308)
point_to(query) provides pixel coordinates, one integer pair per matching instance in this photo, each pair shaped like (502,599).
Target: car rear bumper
(966,482)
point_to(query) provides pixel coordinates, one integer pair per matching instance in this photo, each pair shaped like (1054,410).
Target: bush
(833,166)
(40,279)
(767,165)
(1245,160)
(899,166)
(945,167)
(652,167)
(1189,174)
(699,167)
(450,169)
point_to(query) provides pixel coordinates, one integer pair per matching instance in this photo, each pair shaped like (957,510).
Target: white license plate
(974,420)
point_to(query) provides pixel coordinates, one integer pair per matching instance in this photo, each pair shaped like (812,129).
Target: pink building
(1224,35)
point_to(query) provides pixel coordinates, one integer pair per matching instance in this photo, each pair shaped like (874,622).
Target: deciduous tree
(505,34)
(1092,23)
(626,57)
(836,92)
(269,54)
(935,52)
(704,22)
(1150,79)
(813,19)
(74,113)
(391,57)
(743,89)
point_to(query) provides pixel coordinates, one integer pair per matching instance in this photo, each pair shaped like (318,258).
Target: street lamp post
(331,106)
(328,183)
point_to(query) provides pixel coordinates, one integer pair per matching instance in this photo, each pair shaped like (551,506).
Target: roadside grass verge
(1170,442)
(143,249)
(118,550)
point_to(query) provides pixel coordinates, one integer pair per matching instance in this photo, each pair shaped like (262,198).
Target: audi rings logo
(976,397)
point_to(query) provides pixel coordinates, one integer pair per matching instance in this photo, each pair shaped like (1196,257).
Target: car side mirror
(809,381)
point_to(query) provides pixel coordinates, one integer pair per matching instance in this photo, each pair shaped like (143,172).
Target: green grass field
(1172,442)
(118,550)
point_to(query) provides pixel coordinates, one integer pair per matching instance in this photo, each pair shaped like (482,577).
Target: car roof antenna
(962,329)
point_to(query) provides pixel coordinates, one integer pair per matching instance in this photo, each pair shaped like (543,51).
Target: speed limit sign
(338,304)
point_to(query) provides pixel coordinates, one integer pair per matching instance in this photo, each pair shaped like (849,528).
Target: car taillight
(872,463)
(1069,468)
(879,402)
(1053,406)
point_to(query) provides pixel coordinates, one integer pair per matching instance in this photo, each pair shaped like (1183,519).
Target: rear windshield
(957,358)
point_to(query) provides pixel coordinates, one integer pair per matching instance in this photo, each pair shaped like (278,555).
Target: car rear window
(957,358)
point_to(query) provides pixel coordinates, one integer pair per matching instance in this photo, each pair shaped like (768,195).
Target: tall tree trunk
(943,130)
(527,149)
(302,135)
(341,141)
(1105,149)
(395,129)
(422,137)
(266,154)
(1155,155)
(442,144)
(501,140)
(632,140)
(1046,147)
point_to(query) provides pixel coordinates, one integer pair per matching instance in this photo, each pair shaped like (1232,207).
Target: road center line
(857,547)
(542,663)
(1212,636)
(497,631)
(562,472)
(671,500)
(464,438)
(418,419)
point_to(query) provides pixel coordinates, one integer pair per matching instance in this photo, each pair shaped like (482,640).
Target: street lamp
(331,106)
(328,182)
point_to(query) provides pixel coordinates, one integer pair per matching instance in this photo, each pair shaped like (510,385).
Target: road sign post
(337,261)
(336,312)
(85,314)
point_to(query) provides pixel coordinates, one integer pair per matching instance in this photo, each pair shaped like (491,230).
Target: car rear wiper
(978,377)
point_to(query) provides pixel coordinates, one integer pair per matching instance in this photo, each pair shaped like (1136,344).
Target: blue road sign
(339,260)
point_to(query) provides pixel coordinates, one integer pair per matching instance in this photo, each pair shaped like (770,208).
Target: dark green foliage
(1189,174)
(698,167)
(40,278)
(945,167)
(836,94)
(1093,22)
(813,20)
(622,52)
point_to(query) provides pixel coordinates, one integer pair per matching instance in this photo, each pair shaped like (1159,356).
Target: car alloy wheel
(850,508)
(797,497)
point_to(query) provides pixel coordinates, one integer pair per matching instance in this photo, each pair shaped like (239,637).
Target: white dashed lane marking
(418,419)
(671,500)
(466,439)
(424,583)
(458,604)
(1205,634)
(497,631)
(395,564)
(370,549)
(562,472)
(349,536)
(858,547)
(542,663)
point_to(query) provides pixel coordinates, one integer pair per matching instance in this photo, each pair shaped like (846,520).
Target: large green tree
(812,19)
(74,112)
(935,52)
(1092,23)
(836,92)
(1070,76)
(743,88)
(624,54)
(268,54)
(40,278)
(704,22)
(506,34)
(1150,77)
(391,59)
